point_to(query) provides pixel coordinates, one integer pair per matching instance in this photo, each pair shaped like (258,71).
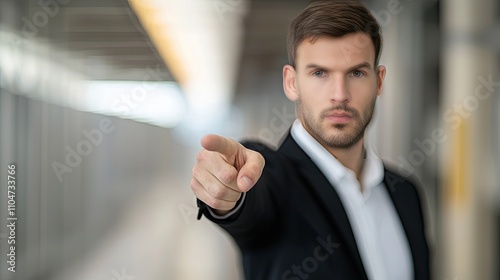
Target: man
(322,206)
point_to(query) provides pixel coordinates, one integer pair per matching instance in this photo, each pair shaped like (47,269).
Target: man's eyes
(355,73)
(319,73)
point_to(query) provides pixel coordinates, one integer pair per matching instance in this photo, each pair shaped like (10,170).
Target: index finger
(219,144)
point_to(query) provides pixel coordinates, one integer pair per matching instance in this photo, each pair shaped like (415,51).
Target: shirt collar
(373,169)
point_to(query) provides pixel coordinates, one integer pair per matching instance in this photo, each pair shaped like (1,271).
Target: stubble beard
(343,136)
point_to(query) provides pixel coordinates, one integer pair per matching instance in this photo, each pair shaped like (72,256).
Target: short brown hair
(334,19)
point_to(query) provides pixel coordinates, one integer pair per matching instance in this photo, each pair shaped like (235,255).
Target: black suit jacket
(292,224)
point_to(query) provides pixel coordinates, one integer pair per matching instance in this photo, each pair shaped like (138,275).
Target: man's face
(335,86)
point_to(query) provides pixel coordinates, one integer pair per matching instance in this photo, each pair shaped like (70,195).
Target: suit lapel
(324,193)
(400,198)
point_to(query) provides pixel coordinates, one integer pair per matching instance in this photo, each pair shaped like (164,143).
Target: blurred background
(103,104)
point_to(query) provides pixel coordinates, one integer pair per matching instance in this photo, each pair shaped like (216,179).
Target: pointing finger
(220,144)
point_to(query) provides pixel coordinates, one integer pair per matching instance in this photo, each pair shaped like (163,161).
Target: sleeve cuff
(230,213)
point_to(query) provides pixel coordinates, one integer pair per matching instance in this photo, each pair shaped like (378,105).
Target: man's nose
(339,90)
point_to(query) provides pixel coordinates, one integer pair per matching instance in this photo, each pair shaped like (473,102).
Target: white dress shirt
(379,235)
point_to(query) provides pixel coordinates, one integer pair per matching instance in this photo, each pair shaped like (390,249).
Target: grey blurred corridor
(103,104)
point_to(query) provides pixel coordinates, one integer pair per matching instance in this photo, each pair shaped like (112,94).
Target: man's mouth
(339,117)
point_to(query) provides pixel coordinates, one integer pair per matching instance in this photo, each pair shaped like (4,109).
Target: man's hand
(224,170)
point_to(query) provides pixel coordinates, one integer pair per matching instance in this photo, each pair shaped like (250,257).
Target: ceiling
(108,40)
(109,43)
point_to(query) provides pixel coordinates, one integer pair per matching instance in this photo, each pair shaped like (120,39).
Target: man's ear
(289,85)
(380,78)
